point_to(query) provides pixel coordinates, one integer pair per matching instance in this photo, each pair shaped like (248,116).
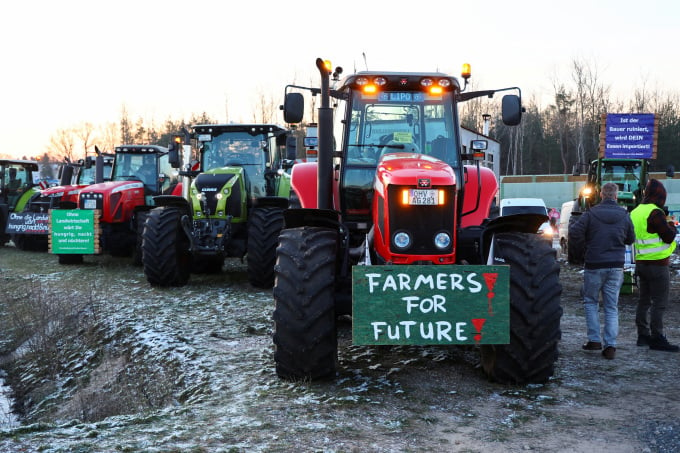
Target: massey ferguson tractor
(394,230)
(232,206)
(139,173)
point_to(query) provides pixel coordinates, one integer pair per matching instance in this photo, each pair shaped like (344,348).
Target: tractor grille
(212,184)
(421,222)
(91,200)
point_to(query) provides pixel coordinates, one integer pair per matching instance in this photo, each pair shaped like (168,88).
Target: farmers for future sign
(430,305)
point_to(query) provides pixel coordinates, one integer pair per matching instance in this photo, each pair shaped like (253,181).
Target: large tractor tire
(30,242)
(264,226)
(165,248)
(140,220)
(305,336)
(535,312)
(70,259)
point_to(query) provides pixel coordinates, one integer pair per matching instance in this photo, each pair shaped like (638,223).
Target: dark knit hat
(655,193)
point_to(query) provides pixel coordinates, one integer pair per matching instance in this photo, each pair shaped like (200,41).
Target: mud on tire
(305,337)
(535,312)
(165,248)
(264,226)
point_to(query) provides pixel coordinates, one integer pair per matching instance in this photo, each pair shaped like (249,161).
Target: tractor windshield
(235,148)
(412,122)
(624,175)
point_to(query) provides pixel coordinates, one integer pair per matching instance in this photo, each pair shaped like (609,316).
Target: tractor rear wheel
(535,312)
(165,248)
(70,259)
(264,226)
(305,338)
(574,255)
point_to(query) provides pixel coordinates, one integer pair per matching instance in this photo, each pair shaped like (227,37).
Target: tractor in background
(17,187)
(232,206)
(139,173)
(394,229)
(32,231)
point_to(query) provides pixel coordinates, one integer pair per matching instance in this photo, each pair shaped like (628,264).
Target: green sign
(74,231)
(440,305)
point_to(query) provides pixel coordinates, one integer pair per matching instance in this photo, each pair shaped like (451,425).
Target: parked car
(512,206)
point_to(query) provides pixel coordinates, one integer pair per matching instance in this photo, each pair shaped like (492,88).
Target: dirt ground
(216,334)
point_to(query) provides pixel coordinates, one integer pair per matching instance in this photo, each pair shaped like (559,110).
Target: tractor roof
(399,80)
(253,129)
(32,164)
(141,149)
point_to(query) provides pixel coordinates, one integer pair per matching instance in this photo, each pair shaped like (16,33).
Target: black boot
(659,343)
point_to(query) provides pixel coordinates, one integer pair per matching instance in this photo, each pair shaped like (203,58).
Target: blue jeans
(608,283)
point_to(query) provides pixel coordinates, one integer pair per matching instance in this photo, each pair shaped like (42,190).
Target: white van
(510,206)
(565,215)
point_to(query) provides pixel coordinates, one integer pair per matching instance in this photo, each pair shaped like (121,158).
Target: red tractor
(139,173)
(395,229)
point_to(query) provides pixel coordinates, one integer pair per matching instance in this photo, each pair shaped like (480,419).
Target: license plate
(90,204)
(422,197)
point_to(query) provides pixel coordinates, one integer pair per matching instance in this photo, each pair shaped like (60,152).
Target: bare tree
(266,109)
(561,119)
(126,134)
(85,132)
(61,145)
(108,137)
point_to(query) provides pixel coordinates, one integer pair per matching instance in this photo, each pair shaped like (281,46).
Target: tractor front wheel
(305,338)
(264,226)
(165,248)
(535,312)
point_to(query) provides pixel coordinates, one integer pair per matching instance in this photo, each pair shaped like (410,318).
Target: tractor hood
(413,169)
(114,186)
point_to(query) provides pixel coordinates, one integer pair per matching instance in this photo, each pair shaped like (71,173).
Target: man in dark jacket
(604,231)
(654,244)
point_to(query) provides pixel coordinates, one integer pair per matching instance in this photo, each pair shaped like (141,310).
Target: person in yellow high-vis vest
(654,244)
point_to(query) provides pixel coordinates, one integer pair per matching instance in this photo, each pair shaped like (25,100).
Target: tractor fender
(277,202)
(174,201)
(520,223)
(326,218)
(304,182)
(481,188)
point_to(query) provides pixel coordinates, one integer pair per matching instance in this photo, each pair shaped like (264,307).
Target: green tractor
(630,175)
(16,189)
(232,206)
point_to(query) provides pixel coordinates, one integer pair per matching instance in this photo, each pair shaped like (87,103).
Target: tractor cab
(16,189)
(256,148)
(147,164)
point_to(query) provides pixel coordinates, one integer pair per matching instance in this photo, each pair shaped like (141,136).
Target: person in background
(654,244)
(604,231)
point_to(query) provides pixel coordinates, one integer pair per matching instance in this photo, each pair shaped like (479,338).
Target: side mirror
(173,155)
(293,108)
(291,147)
(511,109)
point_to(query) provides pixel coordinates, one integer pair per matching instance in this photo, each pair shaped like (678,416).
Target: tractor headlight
(442,240)
(219,195)
(200,196)
(402,240)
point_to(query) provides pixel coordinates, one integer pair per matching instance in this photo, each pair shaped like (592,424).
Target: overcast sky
(67,62)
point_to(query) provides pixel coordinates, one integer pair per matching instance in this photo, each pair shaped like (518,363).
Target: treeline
(566,133)
(551,139)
